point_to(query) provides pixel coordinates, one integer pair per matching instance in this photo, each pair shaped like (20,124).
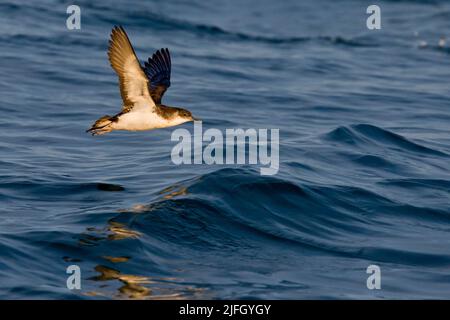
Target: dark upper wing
(158,70)
(132,80)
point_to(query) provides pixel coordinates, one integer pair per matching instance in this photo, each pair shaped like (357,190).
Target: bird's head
(185,115)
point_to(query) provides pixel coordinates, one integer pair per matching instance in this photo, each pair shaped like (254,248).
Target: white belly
(143,119)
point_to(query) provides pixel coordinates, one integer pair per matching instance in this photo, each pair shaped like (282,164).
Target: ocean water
(364,177)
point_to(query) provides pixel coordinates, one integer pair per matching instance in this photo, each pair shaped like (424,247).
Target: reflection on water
(173,191)
(138,287)
(120,231)
(138,208)
(113,231)
(133,286)
(116,259)
(165,194)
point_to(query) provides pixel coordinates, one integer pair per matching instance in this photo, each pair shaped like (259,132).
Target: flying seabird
(141,89)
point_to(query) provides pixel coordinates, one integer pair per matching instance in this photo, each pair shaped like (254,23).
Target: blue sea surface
(364,177)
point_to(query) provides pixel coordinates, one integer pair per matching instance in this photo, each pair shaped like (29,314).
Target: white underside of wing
(136,82)
(132,79)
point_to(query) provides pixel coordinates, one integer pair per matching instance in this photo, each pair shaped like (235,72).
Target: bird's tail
(101,126)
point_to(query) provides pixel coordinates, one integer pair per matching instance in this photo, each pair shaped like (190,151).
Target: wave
(52,39)
(438,184)
(366,134)
(165,23)
(236,208)
(32,189)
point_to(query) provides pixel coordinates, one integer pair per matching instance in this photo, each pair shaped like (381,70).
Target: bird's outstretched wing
(132,79)
(158,70)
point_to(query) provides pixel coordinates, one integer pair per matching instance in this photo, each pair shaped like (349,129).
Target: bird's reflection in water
(116,259)
(134,286)
(141,287)
(165,194)
(113,231)
(173,191)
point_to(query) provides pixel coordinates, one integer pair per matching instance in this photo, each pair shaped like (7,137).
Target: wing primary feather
(158,68)
(133,81)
